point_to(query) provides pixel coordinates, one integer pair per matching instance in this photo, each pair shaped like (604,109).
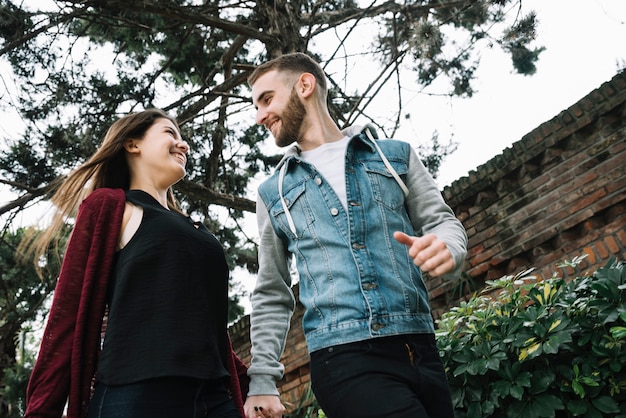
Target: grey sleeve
(272,306)
(430,214)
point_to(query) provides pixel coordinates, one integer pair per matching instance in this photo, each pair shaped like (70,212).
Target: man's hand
(428,253)
(265,406)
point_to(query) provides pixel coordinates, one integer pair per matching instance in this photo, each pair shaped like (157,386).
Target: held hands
(263,406)
(428,253)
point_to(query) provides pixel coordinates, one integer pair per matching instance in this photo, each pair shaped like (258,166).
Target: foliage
(79,65)
(16,381)
(308,406)
(433,157)
(22,295)
(528,349)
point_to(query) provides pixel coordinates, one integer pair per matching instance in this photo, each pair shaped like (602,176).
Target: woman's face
(162,153)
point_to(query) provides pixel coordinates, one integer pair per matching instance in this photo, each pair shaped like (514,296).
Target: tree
(79,64)
(22,294)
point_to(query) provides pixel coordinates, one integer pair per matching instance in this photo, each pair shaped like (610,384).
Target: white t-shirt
(329,160)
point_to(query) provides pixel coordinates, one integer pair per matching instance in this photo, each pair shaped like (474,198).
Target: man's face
(279,107)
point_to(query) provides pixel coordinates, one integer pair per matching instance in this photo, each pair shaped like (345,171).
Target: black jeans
(166,397)
(389,377)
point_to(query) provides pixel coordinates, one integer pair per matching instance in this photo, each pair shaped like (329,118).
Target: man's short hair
(295,63)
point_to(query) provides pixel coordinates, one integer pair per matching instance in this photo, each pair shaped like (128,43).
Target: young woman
(160,279)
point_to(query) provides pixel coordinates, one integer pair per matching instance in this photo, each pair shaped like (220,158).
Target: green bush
(527,349)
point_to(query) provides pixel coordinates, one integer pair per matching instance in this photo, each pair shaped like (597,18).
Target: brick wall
(557,193)
(295,383)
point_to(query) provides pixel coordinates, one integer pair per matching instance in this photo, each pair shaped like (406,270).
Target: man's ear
(130,145)
(306,84)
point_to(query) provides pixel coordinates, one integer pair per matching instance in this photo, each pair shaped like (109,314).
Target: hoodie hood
(357,129)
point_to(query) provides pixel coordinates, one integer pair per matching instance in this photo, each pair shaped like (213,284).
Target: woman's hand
(263,406)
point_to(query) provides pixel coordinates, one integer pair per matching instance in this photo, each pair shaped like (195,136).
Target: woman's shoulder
(104,195)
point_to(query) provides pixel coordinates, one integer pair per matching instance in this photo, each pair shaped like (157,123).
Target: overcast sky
(585,44)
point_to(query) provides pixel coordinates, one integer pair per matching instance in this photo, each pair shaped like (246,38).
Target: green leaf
(530,411)
(517,392)
(524,379)
(541,381)
(546,404)
(551,346)
(475,410)
(493,363)
(488,408)
(594,413)
(502,388)
(605,404)
(606,289)
(578,389)
(616,366)
(618,332)
(474,392)
(588,381)
(577,406)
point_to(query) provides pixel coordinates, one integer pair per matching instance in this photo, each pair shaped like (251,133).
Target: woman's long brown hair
(107,167)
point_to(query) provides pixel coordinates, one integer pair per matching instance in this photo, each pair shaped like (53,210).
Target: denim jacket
(356,281)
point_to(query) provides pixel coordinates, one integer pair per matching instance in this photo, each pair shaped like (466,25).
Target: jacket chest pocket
(297,207)
(385,189)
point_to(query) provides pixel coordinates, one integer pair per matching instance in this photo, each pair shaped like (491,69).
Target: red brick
(495,274)
(483,256)
(593,224)
(612,165)
(616,184)
(591,255)
(620,145)
(621,236)
(479,269)
(576,182)
(289,385)
(587,201)
(611,244)
(602,251)
(517,263)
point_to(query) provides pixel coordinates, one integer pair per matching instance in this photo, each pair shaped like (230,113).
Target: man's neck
(318,132)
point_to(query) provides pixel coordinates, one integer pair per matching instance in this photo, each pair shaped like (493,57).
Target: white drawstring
(281,176)
(388,165)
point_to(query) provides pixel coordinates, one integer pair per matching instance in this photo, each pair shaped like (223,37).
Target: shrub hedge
(528,348)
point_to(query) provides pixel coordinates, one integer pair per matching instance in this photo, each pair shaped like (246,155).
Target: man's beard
(291,120)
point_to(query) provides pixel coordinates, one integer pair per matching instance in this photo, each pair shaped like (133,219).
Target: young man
(363,219)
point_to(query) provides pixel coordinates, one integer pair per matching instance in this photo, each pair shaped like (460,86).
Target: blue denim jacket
(356,281)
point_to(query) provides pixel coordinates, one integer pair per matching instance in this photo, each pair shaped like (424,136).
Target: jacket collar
(355,132)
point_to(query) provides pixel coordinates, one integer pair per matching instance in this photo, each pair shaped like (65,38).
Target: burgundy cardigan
(68,356)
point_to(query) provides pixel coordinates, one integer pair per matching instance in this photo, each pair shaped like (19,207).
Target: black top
(167,302)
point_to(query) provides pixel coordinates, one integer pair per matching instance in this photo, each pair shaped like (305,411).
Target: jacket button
(318,181)
(334,211)
(357,246)
(377,327)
